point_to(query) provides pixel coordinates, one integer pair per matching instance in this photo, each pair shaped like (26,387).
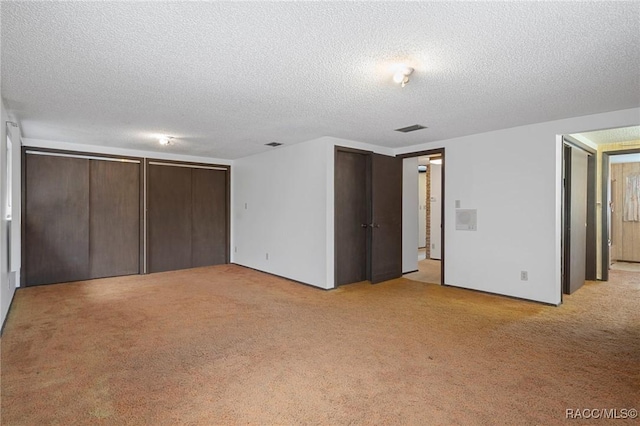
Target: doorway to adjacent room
(609,169)
(430,194)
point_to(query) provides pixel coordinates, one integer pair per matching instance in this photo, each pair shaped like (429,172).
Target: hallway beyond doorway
(428,270)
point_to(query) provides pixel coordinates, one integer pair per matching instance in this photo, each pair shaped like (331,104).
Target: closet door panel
(386,201)
(351,217)
(209,225)
(169,218)
(56,219)
(114,219)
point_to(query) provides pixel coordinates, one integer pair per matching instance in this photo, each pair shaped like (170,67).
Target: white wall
(512,177)
(5,294)
(15,229)
(410,215)
(436,211)
(422,210)
(289,195)
(8,279)
(280,209)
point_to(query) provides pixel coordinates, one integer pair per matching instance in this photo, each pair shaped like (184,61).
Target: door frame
(436,151)
(569,143)
(606,217)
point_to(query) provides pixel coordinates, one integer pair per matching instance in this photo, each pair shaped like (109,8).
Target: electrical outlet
(245,206)
(433,246)
(267,256)
(235,249)
(524,276)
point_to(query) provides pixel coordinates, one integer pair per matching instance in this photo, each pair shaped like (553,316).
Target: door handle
(364,225)
(374,225)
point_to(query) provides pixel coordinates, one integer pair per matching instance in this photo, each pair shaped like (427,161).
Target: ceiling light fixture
(436,161)
(401,76)
(165,140)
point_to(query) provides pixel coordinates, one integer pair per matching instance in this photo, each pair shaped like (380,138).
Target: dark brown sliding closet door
(209,221)
(169,218)
(114,218)
(56,219)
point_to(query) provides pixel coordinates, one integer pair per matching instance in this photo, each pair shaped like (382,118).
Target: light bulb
(164,140)
(402,75)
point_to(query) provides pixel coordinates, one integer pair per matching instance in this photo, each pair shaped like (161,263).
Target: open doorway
(579,210)
(430,242)
(612,239)
(623,210)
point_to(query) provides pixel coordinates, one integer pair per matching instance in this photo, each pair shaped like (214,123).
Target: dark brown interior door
(56,219)
(114,218)
(386,202)
(209,224)
(169,218)
(351,217)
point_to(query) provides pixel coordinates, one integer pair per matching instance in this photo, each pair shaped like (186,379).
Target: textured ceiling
(224,78)
(623,134)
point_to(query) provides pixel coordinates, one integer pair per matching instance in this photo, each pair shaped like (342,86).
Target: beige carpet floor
(229,345)
(626,266)
(428,272)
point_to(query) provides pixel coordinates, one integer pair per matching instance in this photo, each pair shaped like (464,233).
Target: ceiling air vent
(273,144)
(411,128)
